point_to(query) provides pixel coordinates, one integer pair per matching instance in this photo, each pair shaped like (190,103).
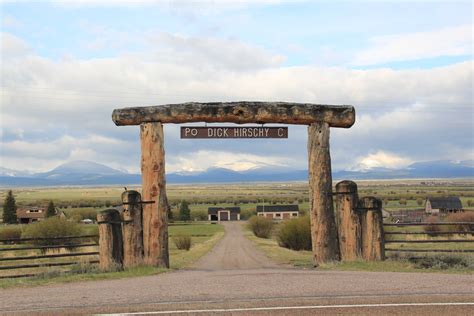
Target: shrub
(198,215)
(260,226)
(78,215)
(461,217)
(246,214)
(295,234)
(432,230)
(440,262)
(182,242)
(53,227)
(10,232)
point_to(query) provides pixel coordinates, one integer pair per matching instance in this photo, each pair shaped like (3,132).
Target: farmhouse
(224,213)
(30,214)
(278,212)
(443,205)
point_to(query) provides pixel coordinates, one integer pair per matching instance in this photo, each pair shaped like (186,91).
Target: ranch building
(278,212)
(30,214)
(224,213)
(443,205)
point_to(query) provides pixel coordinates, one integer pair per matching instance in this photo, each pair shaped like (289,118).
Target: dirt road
(236,279)
(234,252)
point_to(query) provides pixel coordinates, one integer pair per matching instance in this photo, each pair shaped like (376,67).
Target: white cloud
(450,41)
(205,159)
(413,114)
(12,47)
(381,159)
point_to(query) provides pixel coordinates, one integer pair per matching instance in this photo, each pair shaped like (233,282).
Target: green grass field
(303,259)
(203,235)
(394,193)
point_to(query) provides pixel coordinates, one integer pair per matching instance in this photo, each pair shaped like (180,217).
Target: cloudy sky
(65,65)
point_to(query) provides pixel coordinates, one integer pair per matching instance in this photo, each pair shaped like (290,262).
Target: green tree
(184,211)
(9,209)
(170,214)
(51,211)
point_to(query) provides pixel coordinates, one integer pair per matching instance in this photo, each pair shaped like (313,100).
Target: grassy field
(203,235)
(396,194)
(394,263)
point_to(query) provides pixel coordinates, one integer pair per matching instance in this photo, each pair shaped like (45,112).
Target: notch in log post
(348,220)
(110,240)
(373,245)
(132,228)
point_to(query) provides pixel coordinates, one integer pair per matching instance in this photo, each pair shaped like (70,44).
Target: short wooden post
(373,246)
(323,224)
(348,220)
(110,240)
(155,216)
(132,229)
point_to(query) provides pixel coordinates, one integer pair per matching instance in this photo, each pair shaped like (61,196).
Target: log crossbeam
(243,112)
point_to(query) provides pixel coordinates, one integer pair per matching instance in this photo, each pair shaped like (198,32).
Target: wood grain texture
(132,229)
(373,247)
(110,240)
(323,224)
(348,220)
(238,112)
(155,219)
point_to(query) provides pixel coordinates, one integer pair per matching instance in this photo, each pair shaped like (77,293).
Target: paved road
(238,280)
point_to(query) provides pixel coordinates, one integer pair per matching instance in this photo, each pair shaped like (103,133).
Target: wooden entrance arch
(318,117)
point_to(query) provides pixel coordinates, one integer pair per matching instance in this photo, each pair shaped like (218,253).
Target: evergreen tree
(170,215)
(51,211)
(184,211)
(9,209)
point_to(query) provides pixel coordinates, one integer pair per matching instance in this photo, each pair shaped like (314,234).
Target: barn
(443,205)
(223,213)
(278,212)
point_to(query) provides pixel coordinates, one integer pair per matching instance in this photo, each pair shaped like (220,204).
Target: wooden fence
(459,236)
(20,255)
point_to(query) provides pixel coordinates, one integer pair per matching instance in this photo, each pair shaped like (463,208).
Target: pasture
(396,195)
(203,237)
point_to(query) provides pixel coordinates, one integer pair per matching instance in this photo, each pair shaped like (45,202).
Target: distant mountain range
(91,173)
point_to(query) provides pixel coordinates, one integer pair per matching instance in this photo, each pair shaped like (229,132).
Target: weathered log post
(348,220)
(110,240)
(373,246)
(132,229)
(155,216)
(323,224)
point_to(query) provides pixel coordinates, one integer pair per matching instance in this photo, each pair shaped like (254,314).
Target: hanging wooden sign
(234,132)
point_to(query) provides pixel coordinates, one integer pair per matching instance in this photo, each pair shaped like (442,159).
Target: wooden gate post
(348,220)
(323,224)
(132,229)
(373,246)
(110,240)
(155,216)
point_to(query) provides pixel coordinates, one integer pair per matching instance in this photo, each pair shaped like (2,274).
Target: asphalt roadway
(236,279)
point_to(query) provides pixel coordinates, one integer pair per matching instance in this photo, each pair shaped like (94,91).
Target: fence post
(110,239)
(373,246)
(349,221)
(132,228)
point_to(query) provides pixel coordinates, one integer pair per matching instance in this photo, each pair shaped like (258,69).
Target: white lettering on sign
(234,132)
